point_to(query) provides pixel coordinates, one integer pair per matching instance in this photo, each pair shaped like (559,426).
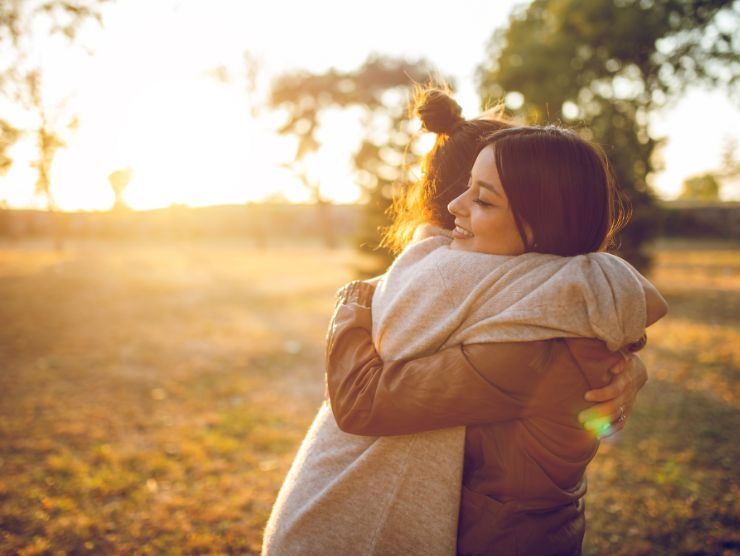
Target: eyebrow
(488,186)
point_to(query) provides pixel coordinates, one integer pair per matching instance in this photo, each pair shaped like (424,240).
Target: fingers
(615,388)
(615,400)
(617,412)
(611,430)
(623,365)
(618,384)
(607,420)
(637,371)
(601,427)
(607,411)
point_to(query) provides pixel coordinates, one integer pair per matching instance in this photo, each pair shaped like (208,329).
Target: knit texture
(348,494)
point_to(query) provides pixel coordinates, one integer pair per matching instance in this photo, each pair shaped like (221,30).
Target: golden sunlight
(186,142)
(193,142)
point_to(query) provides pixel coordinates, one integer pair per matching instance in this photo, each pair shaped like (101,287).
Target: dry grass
(153,396)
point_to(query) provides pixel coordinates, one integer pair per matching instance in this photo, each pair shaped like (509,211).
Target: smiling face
(484,222)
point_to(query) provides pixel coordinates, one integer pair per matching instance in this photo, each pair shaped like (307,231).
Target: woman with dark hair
(423,208)
(441,299)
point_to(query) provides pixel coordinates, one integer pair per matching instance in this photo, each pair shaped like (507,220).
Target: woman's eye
(482,203)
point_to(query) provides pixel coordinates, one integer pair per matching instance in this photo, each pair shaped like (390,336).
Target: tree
(605,65)
(730,164)
(8,136)
(386,155)
(385,165)
(247,77)
(119,180)
(701,188)
(23,26)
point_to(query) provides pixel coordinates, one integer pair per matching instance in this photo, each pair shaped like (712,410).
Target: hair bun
(437,110)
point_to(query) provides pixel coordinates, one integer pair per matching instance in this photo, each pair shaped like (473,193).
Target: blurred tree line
(600,66)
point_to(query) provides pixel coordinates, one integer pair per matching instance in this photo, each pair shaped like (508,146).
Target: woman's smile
(461,233)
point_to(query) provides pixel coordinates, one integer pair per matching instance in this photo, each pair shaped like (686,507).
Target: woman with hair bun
(459,397)
(445,168)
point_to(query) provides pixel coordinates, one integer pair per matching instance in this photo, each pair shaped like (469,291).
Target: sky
(146,98)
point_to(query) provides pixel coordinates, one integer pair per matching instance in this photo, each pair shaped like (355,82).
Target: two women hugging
(456,379)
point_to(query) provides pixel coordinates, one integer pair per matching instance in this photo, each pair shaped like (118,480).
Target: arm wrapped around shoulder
(456,386)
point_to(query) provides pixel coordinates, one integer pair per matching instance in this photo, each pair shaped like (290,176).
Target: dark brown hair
(560,187)
(445,168)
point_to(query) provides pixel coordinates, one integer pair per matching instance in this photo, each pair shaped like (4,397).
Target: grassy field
(152,397)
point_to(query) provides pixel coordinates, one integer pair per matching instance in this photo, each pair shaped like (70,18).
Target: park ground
(152,396)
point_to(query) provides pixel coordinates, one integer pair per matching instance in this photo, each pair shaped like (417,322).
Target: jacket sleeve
(461,385)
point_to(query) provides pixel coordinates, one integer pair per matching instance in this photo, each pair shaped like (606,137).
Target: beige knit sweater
(348,494)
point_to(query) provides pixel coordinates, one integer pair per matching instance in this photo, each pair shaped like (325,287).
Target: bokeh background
(185,185)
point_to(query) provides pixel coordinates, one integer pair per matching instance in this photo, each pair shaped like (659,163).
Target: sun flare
(186,144)
(193,142)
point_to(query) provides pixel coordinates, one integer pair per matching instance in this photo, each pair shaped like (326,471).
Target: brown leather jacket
(525,450)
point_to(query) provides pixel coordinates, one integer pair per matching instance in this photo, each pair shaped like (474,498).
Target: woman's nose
(456,206)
